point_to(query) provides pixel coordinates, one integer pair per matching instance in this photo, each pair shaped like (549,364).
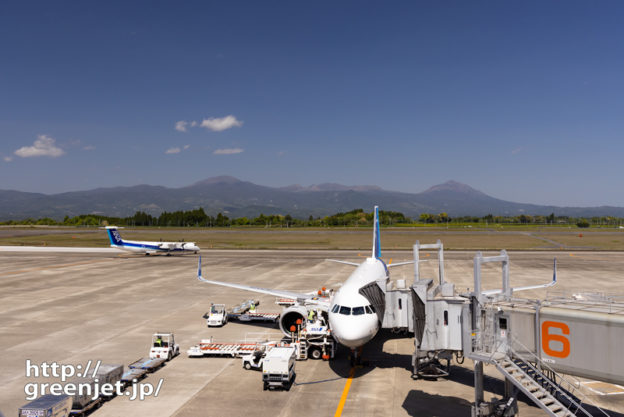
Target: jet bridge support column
(482,346)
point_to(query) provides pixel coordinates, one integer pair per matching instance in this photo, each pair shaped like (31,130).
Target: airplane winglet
(554,281)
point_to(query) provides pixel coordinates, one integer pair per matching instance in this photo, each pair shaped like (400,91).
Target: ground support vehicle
(47,406)
(245,306)
(255,317)
(216,316)
(209,348)
(278,368)
(164,346)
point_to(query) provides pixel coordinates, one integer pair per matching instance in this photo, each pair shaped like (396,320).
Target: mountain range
(237,198)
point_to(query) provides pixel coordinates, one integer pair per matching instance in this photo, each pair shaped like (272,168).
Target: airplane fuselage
(352,319)
(157,247)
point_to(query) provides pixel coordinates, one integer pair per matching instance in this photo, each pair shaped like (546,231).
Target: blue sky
(522,100)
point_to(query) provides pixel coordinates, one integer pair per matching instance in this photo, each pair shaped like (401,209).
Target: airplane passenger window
(369,310)
(336,308)
(358,311)
(345,310)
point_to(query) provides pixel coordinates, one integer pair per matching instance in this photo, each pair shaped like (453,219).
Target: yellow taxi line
(345,393)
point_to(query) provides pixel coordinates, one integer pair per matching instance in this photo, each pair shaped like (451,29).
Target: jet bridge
(432,311)
(531,342)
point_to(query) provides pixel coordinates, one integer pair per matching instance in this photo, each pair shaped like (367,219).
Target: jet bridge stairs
(553,393)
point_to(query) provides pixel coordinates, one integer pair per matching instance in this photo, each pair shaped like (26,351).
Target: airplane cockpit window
(373,308)
(358,311)
(369,310)
(335,308)
(345,310)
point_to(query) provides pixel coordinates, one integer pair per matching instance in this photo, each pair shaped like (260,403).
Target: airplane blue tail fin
(376,242)
(114,236)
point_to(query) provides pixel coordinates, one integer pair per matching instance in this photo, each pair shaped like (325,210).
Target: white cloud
(186,147)
(43,146)
(181,125)
(219,124)
(517,150)
(7,159)
(228,151)
(172,151)
(89,148)
(281,153)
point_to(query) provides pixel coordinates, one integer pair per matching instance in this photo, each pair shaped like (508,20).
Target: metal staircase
(539,388)
(555,394)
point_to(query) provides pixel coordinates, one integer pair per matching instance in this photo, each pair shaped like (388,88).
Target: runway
(57,249)
(71,307)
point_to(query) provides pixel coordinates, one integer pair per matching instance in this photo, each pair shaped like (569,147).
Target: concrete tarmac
(73,307)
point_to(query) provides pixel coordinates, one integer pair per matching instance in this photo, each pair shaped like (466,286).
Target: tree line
(353,218)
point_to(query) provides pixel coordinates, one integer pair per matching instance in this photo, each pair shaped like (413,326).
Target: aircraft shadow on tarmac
(372,357)
(419,403)
(494,385)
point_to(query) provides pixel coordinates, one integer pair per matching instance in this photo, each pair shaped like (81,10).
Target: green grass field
(512,238)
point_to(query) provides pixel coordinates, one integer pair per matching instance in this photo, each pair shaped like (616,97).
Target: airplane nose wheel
(355,358)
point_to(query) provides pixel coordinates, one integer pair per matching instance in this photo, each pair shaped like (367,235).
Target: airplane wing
(343,262)
(300,297)
(530,287)
(388,265)
(401,263)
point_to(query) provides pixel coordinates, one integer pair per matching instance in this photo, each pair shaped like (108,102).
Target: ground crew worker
(252,308)
(158,342)
(311,316)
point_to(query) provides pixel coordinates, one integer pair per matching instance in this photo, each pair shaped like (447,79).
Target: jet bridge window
(345,310)
(369,310)
(358,311)
(335,308)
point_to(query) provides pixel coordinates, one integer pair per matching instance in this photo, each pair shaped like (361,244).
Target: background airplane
(147,248)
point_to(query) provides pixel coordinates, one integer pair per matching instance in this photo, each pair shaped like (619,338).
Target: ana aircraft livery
(146,247)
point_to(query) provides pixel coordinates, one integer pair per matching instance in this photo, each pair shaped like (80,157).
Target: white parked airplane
(148,247)
(356,310)
(353,318)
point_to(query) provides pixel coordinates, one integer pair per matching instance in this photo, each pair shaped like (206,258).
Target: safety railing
(564,388)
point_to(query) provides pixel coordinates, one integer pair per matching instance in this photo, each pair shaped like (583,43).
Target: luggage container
(82,400)
(109,374)
(47,406)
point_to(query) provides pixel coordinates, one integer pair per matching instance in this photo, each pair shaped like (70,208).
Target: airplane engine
(290,316)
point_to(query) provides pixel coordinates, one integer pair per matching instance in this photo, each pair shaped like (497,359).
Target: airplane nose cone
(353,331)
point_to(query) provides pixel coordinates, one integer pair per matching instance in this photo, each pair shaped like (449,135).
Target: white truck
(163,346)
(217,316)
(278,368)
